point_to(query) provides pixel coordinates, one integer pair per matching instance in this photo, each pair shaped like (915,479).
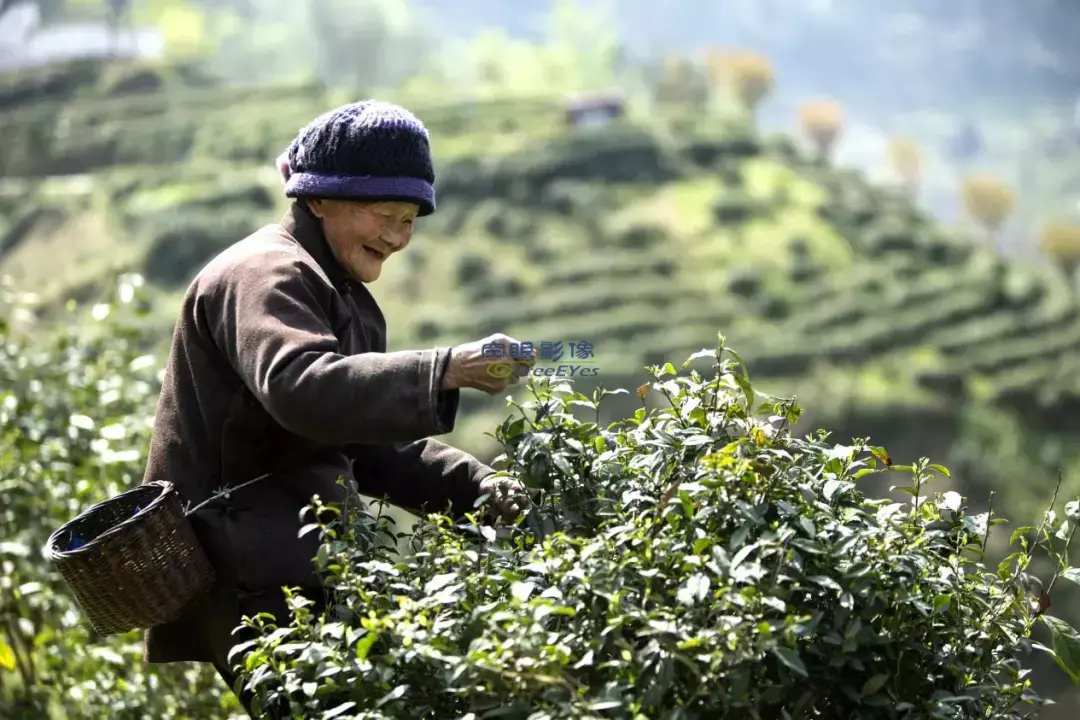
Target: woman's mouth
(372,252)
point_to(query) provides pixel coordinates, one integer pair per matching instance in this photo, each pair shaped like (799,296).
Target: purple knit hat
(367,150)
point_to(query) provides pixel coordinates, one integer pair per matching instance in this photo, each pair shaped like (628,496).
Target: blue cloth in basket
(75,542)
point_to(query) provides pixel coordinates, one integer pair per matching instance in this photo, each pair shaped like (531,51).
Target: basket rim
(164,487)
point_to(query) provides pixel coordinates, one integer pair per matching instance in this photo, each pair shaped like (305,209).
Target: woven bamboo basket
(132,561)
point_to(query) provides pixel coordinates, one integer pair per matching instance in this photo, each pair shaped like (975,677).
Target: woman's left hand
(506,496)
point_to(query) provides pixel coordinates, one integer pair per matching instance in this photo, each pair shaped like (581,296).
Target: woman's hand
(506,496)
(479,366)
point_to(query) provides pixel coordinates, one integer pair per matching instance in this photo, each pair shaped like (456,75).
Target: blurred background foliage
(877,203)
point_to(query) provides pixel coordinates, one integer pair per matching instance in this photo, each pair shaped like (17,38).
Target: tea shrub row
(694,560)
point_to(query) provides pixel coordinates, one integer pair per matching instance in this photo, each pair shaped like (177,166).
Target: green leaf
(1018,532)
(605,705)
(563,464)
(940,469)
(339,710)
(394,694)
(791,659)
(364,644)
(7,656)
(1066,645)
(438,582)
(699,354)
(1005,566)
(873,684)
(834,488)
(747,388)
(1072,575)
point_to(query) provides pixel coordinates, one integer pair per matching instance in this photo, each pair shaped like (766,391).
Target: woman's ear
(316,207)
(283,166)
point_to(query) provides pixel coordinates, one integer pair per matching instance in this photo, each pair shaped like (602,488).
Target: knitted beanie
(367,150)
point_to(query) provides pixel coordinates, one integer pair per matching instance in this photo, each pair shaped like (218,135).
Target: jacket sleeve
(271,321)
(422,476)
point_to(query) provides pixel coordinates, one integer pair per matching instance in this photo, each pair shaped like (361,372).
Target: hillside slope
(642,240)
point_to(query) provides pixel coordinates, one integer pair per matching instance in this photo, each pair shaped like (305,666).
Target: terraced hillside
(645,246)
(642,240)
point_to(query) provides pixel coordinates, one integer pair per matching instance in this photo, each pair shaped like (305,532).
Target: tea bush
(75,411)
(695,560)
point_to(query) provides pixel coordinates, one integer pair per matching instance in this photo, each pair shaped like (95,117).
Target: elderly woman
(279,369)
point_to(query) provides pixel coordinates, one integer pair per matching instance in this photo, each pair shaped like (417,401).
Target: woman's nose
(397,238)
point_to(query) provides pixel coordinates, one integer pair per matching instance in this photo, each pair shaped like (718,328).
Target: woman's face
(363,235)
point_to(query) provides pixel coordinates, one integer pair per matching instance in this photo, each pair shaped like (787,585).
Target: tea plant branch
(504,673)
(1063,555)
(989,517)
(1029,552)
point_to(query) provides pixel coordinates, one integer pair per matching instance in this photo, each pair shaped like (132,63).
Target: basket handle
(226,492)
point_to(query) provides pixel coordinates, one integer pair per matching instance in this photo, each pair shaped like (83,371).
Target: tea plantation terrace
(643,239)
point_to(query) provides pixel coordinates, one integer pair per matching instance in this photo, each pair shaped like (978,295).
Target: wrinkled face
(363,235)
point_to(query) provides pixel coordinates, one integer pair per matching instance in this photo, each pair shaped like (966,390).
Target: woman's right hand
(482,366)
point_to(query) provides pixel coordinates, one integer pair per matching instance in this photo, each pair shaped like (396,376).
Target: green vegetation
(604,603)
(642,239)
(75,413)
(688,562)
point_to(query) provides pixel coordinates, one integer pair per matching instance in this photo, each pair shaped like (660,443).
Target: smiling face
(362,235)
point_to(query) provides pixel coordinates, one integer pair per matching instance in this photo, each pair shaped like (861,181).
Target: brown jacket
(279,364)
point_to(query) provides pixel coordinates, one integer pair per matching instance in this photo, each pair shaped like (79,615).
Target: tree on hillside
(749,79)
(989,202)
(1061,241)
(582,46)
(716,62)
(364,44)
(251,42)
(822,121)
(118,12)
(905,158)
(361,46)
(186,26)
(680,83)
